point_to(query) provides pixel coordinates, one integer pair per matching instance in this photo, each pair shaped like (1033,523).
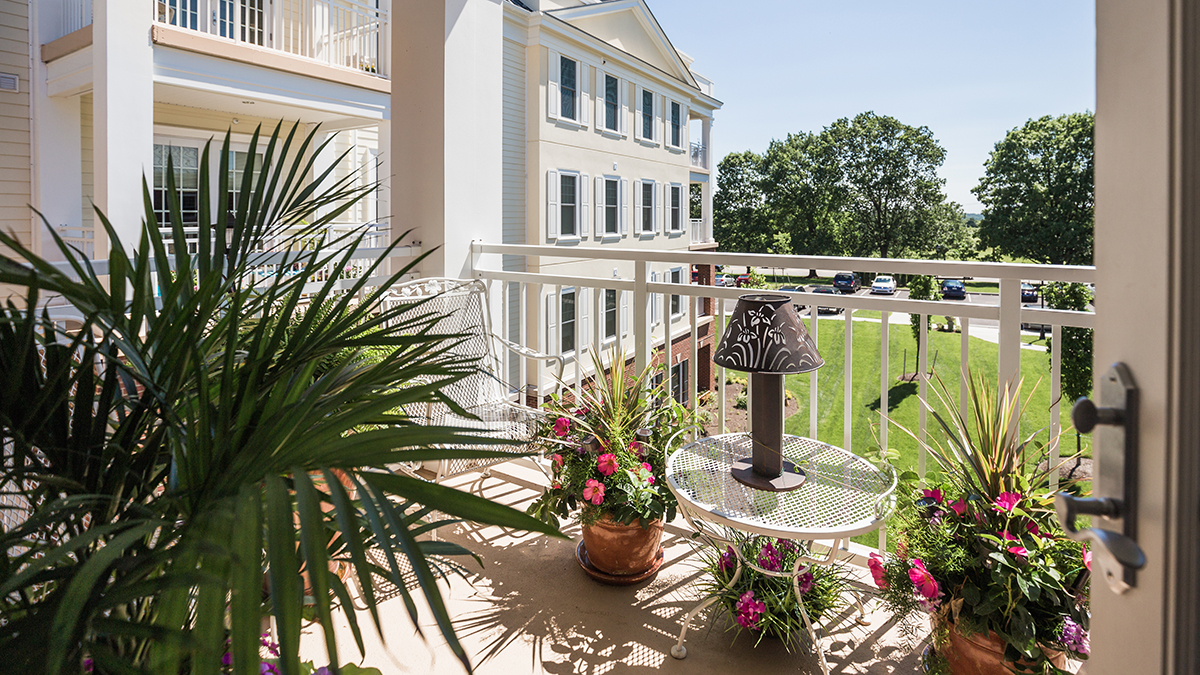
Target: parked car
(953,289)
(1028,293)
(794,289)
(883,284)
(846,282)
(723,280)
(742,280)
(828,290)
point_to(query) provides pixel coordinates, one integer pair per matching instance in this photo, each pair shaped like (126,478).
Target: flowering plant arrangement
(982,551)
(608,448)
(762,603)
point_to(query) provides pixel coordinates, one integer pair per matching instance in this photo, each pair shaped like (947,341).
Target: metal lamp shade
(766,335)
(766,338)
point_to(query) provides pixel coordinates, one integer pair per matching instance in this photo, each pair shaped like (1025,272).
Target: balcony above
(699,156)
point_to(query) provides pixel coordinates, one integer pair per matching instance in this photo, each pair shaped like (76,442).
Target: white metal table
(843,495)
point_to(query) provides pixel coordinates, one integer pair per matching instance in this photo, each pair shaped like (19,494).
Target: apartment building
(585,128)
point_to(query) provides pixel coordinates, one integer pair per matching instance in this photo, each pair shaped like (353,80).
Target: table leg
(678,650)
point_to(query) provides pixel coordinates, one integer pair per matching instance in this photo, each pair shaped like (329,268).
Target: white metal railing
(75,15)
(636,279)
(700,232)
(345,33)
(699,155)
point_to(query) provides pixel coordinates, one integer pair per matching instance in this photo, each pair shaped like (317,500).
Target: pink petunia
(805,582)
(875,564)
(1018,551)
(636,448)
(749,610)
(959,507)
(935,494)
(556,485)
(649,473)
(562,426)
(926,585)
(1006,502)
(607,464)
(557,459)
(1087,557)
(594,492)
(728,559)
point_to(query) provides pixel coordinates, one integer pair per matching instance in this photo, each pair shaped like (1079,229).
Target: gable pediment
(629,26)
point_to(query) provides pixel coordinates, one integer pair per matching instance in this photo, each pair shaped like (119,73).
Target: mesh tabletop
(843,494)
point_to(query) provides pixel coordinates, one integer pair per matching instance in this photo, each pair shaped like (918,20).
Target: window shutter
(637,113)
(658,117)
(623,197)
(623,117)
(637,206)
(583,93)
(552,204)
(684,141)
(585,208)
(655,302)
(659,194)
(624,327)
(552,98)
(582,296)
(601,204)
(598,94)
(552,346)
(685,209)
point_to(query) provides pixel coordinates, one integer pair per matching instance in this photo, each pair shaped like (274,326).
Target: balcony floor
(530,609)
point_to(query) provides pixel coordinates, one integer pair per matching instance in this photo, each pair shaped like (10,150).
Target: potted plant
(980,550)
(761,599)
(608,452)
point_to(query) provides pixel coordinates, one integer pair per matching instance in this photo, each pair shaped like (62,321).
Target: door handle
(1115,552)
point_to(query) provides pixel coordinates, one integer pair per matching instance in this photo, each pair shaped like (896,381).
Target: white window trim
(683,111)
(562,293)
(640,206)
(554,96)
(671,279)
(601,107)
(655,120)
(601,201)
(605,339)
(580,203)
(683,202)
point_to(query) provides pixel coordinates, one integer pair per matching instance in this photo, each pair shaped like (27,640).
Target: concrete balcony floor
(531,609)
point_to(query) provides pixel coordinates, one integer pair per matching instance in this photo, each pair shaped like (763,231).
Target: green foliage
(1037,191)
(1076,352)
(740,219)
(822,587)
(742,400)
(609,448)
(921,287)
(950,235)
(803,198)
(756,279)
(890,183)
(178,450)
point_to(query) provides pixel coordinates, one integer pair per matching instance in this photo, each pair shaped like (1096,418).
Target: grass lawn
(982,286)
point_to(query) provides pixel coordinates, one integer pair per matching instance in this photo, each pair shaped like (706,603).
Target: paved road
(976,298)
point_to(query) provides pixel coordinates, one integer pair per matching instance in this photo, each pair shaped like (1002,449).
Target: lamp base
(791,478)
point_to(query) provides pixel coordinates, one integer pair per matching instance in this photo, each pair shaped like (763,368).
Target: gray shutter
(584,207)
(552,205)
(601,205)
(552,97)
(623,197)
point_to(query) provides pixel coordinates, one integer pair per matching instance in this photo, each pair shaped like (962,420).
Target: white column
(123,100)
(706,136)
(56,153)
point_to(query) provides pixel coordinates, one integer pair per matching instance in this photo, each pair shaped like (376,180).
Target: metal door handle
(1124,551)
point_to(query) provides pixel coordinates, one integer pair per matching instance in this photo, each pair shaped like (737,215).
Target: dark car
(794,289)
(1028,293)
(828,290)
(953,289)
(846,282)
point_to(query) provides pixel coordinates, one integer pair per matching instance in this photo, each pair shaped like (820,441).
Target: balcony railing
(699,154)
(75,15)
(701,232)
(638,335)
(345,33)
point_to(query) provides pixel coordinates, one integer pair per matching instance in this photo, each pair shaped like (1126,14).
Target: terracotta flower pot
(622,550)
(982,654)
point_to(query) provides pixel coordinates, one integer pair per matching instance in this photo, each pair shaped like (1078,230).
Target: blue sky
(970,70)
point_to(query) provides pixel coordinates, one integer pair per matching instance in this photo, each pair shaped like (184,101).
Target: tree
(921,287)
(801,193)
(740,220)
(1038,191)
(950,235)
(888,177)
(1076,351)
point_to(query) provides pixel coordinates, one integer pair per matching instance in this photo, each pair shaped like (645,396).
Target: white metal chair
(463,308)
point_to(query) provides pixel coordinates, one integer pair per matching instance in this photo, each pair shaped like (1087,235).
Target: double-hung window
(568,88)
(679,382)
(676,207)
(567,198)
(646,108)
(185,164)
(675,135)
(676,300)
(612,103)
(646,215)
(611,201)
(566,322)
(568,204)
(610,314)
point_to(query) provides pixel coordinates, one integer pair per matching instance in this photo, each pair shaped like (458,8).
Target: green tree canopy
(740,220)
(1038,191)
(801,193)
(889,183)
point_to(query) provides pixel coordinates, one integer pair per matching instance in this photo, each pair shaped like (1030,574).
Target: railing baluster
(884,380)
(1055,401)
(668,354)
(694,354)
(963,366)
(813,320)
(923,348)
(721,370)
(848,372)
(523,332)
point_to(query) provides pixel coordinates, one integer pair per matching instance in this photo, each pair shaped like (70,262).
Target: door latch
(1116,553)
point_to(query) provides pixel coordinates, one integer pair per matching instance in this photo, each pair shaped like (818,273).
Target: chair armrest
(533,354)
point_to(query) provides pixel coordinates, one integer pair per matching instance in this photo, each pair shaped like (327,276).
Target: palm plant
(170,452)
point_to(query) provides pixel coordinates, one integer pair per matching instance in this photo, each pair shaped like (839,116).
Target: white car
(723,280)
(883,284)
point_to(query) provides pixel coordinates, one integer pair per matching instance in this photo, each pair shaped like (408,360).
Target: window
(611,206)
(676,208)
(185,162)
(566,313)
(676,124)
(612,107)
(237,169)
(647,216)
(568,203)
(676,301)
(647,109)
(679,382)
(610,314)
(246,14)
(568,88)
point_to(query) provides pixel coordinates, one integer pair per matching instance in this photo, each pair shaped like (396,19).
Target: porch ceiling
(250,106)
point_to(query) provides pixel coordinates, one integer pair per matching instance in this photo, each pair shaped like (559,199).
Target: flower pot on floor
(982,654)
(623,550)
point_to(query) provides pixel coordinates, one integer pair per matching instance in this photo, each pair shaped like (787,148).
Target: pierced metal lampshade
(766,338)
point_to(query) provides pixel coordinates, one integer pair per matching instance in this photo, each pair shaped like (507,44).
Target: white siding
(14,122)
(513,215)
(86,138)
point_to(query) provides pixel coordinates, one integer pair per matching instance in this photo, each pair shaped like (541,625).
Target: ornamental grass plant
(608,448)
(981,551)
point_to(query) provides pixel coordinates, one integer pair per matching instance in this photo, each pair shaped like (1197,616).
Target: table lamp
(766,338)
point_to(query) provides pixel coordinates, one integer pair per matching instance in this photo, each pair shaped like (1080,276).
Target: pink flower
(875,564)
(935,494)
(749,610)
(556,485)
(607,464)
(226,660)
(769,558)
(1087,557)
(1017,550)
(557,459)
(926,585)
(728,559)
(636,448)
(265,668)
(649,473)
(562,426)
(959,507)
(594,492)
(1006,502)
(806,582)
(1032,528)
